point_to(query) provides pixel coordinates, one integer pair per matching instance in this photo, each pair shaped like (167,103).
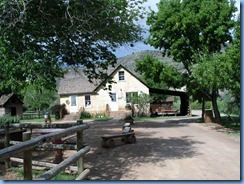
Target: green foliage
(232,58)
(187,28)
(196,105)
(158,74)
(177,103)
(36,174)
(85,115)
(38,98)
(59,111)
(142,103)
(212,72)
(8,119)
(228,105)
(194,32)
(38,38)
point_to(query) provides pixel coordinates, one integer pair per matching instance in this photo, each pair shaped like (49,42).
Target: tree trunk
(203,108)
(39,112)
(215,107)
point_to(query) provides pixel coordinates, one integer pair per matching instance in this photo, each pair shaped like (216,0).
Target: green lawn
(36,120)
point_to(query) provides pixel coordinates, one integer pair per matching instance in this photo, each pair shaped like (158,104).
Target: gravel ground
(174,149)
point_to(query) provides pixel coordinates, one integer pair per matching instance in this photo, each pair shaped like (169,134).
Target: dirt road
(165,150)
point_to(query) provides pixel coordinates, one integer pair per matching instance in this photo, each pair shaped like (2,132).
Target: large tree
(186,30)
(40,37)
(38,98)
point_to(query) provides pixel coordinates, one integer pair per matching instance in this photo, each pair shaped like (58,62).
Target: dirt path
(165,150)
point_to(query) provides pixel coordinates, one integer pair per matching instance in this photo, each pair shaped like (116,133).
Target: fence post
(79,143)
(6,143)
(27,157)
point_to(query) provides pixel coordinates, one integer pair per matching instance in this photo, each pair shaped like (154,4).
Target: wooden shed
(11,105)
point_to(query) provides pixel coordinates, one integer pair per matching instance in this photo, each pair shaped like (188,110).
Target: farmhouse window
(87,100)
(121,75)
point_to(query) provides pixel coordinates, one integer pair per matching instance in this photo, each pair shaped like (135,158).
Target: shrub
(59,111)
(85,115)
(100,115)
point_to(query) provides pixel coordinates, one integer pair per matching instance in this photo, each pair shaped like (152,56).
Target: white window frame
(121,75)
(88,103)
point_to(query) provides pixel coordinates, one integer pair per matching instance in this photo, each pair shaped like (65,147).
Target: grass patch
(159,118)
(36,174)
(232,122)
(36,120)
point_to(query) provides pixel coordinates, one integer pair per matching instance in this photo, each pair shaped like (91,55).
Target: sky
(140,46)
(126,50)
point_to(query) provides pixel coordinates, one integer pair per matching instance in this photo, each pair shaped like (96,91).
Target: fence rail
(26,146)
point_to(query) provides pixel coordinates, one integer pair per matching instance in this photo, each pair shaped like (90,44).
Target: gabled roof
(76,82)
(114,71)
(5,97)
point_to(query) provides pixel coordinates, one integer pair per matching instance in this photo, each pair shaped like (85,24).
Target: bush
(100,115)
(196,105)
(85,115)
(59,111)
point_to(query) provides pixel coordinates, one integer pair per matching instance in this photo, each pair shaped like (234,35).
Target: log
(68,137)
(54,171)
(50,145)
(83,174)
(53,125)
(6,143)
(58,146)
(43,164)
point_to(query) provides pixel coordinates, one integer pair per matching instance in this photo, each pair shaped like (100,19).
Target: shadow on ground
(113,163)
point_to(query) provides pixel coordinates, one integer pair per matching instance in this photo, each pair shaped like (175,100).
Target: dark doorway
(13,111)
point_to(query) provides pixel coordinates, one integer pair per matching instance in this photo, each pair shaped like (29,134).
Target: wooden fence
(28,144)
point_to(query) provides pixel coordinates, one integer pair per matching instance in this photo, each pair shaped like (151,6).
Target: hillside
(126,61)
(129,60)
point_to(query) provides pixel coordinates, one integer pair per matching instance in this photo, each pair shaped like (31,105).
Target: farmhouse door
(114,103)
(73,104)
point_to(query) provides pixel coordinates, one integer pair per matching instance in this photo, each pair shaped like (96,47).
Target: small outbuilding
(11,105)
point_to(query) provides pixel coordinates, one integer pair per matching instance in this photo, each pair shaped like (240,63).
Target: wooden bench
(127,135)
(166,112)
(108,140)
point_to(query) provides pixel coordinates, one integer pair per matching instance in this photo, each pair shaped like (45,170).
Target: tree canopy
(195,33)
(158,74)
(38,98)
(185,29)
(39,38)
